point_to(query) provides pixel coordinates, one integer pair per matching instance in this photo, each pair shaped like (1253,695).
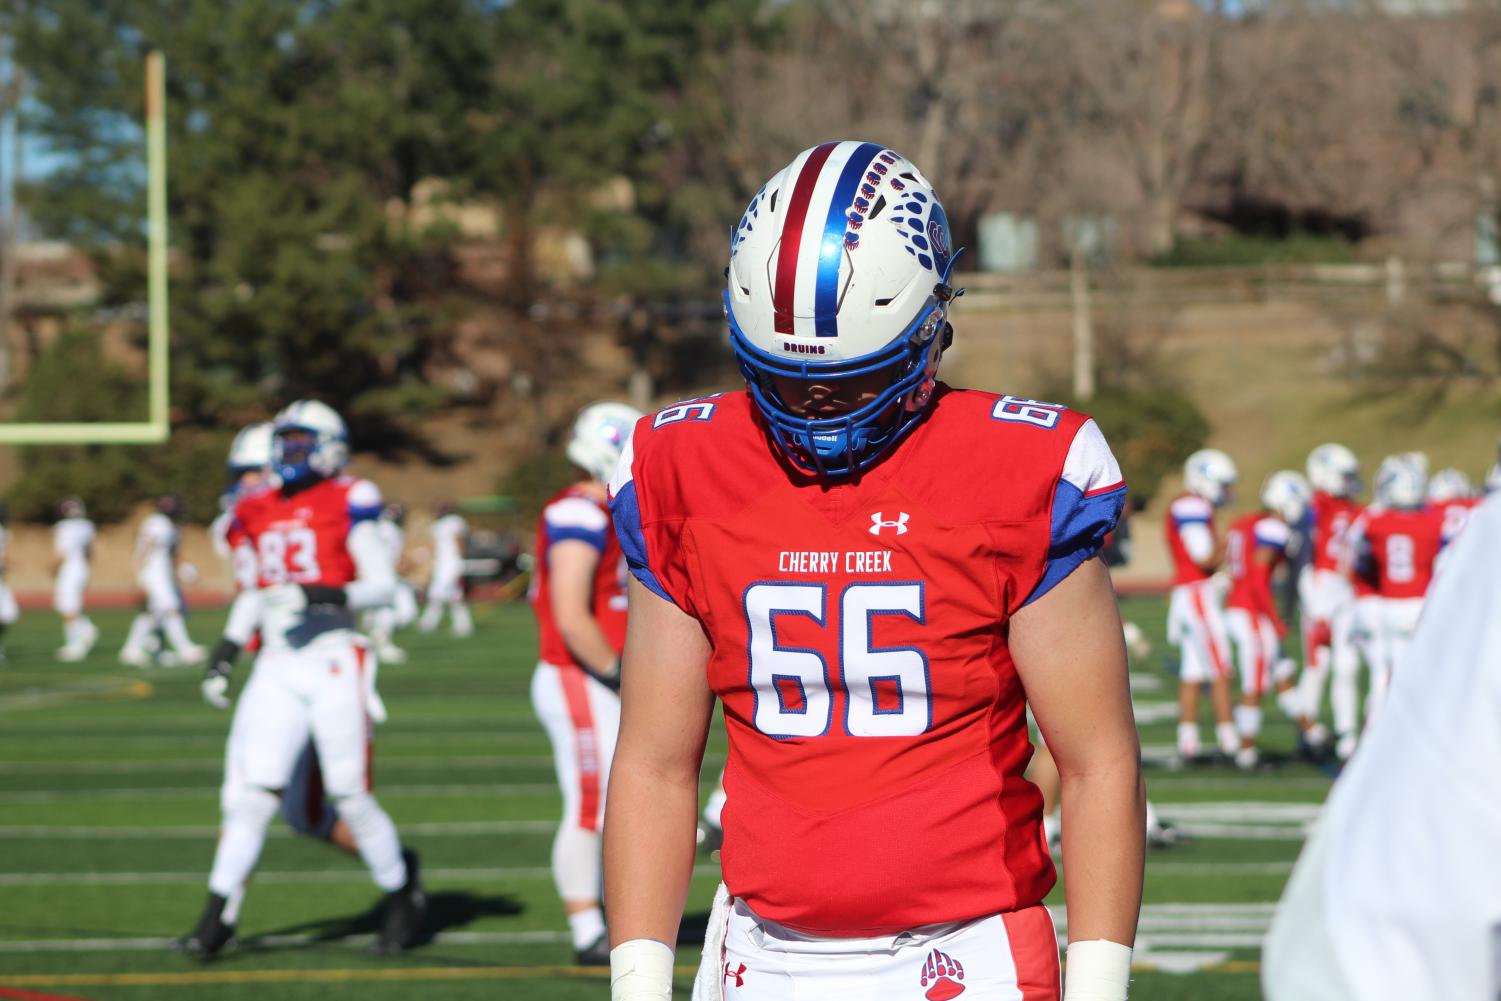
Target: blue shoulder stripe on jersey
(357,514)
(1179,521)
(627,513)
(1080,524)
(594,537)
(831,246)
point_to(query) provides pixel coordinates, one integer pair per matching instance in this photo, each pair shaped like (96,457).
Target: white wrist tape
(1097,971)
(641,970)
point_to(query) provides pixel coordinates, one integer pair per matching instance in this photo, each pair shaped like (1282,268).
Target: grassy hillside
(1272,378)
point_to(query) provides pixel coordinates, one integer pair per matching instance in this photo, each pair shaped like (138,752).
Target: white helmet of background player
(1287,495)
(1401,482)
(321,455)
(1210,474)
(251,449)
(599,435)
(839,275)
(1334,469)
(1448,485)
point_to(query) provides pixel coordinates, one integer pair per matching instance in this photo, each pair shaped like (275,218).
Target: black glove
(215,685)
(610,679)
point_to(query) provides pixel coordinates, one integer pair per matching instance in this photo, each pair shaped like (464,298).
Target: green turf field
(108,805)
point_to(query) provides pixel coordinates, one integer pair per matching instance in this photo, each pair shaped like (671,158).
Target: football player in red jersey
(1396,547)
(875,574)
(1257,544)
(1449,491)
(1330,618)
(1194,619)
(319,559)
(578,596)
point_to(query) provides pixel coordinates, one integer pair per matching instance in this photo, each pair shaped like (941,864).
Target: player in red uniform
(1330,634)
(578,595)
(1396,548)
(1257,544)
(304,807)
(1450,492)
(875,574)
(319,560)
(1194,619)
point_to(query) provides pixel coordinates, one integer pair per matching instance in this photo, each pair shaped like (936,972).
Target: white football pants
(1196,625)
(582,720)
(1004,957)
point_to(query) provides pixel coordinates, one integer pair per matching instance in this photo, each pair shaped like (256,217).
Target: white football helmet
(323,456)
(1334,469)
(1287,495)
(71,507)
(1401,482)
(251,449)
(1448,485)
(599,435)
(839,271)
(1210,474)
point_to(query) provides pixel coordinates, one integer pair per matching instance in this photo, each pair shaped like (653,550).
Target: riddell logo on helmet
(792,347)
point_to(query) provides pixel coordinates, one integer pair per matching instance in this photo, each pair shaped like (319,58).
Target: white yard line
(272,941)
(1247,811)
(200,792)
(1148,713)
(196,831)
(1245,832)
(214,765)
(313,876)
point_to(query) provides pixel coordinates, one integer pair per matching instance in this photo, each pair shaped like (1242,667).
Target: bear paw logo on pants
(943,973)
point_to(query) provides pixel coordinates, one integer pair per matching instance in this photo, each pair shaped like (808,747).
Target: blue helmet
(323,456)
(838,276)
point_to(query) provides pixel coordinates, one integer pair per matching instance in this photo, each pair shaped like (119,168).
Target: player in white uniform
(156,572)
(72,543)
(445,587)
(9,610)
(319,560)
(1397,895)
(383,622)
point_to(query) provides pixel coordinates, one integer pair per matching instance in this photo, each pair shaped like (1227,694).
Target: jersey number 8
(290,555)
(867,673)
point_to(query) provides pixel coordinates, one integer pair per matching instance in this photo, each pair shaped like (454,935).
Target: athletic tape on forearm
(1097,970)
(641,970)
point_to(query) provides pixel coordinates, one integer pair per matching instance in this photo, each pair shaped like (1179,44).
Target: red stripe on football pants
(585,744)
(1034,952)
(1216,655)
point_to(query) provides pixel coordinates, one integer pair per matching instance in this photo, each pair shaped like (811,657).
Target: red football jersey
(1187,513)
(1401,546)
(1251,576)
(574,514)
(877,727)
(1456,515)
(1332,518)
(302,538)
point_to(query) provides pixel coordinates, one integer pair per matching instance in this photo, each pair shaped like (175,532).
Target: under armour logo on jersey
(736,974)
(877,523)
(943,976)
